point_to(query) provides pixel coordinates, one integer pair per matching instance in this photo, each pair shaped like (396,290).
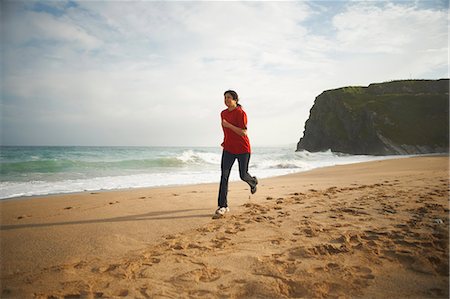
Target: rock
(398,117)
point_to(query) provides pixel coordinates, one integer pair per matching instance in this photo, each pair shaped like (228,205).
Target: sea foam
(29,171)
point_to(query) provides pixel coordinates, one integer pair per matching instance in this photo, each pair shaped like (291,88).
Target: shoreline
(367,229)
(382,158)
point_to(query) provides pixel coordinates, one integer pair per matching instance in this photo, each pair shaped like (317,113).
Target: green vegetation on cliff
(399,117)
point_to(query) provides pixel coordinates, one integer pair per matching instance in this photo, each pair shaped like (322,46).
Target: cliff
(399,117)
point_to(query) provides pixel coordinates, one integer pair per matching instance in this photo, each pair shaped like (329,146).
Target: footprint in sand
(69,296)
(413,261)
(283,214)
(220,242)
(277,241)
(237,227)
(364,272)
(319,250)
(104,269)
(231,231)
(123,293)
(311,232)
(205,274)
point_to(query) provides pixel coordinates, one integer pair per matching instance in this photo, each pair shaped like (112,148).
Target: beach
(368,230)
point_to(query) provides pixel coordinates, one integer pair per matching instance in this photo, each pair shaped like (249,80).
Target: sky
(153,73)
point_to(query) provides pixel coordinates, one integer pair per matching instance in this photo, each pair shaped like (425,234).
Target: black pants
(227,162)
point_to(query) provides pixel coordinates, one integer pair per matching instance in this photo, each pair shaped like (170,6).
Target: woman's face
(229,102)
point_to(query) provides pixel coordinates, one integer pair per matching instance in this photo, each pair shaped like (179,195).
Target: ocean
(42,170)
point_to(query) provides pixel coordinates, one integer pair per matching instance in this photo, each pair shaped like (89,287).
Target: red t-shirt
(232,142)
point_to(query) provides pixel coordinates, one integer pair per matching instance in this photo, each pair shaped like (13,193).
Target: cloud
(139,69)
(389,28)
(386,41)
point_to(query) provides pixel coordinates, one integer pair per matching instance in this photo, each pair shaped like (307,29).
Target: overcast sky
(154,73)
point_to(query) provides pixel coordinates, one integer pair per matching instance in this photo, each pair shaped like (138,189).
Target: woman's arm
(237,130)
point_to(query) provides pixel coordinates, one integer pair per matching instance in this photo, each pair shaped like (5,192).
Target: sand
(367,230)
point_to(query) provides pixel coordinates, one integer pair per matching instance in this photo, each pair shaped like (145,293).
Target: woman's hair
(234,95)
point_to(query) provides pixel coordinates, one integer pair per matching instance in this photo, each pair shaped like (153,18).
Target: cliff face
(399,117)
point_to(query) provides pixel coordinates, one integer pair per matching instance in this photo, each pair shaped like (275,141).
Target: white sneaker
(222,210)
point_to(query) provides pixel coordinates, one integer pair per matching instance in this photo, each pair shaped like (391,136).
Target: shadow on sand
(160,215)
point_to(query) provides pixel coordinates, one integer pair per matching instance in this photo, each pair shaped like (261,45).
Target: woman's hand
(225,123)
(239,131)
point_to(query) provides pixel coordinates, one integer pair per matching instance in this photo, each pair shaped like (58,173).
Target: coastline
(163,238)
(236,179)
(44,171)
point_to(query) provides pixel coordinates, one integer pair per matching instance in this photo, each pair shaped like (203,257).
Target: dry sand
(368,230)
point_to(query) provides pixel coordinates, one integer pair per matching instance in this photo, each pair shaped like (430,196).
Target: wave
(50,166)
(186,158)
(191,156)
(41,166)
(40,187)
(30,171)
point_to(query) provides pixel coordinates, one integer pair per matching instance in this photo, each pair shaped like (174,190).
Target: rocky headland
(398,117)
